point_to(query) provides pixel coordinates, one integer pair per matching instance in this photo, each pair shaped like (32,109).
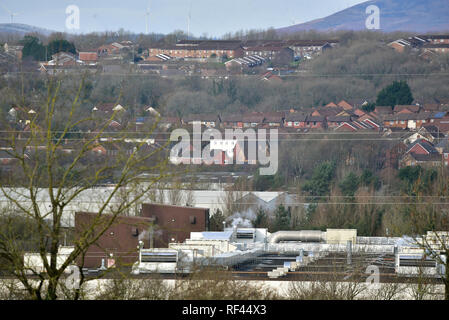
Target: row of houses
(343,116)
(233,49)
(427,45)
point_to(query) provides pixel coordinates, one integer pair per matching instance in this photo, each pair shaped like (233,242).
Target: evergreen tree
(33,47)
(216,221)
(282,219)
(60,45)
(322,176)
(398,93)
(349,185)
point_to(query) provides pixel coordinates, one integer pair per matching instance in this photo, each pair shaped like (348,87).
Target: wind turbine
(189,17)
(12,14)
(147,17)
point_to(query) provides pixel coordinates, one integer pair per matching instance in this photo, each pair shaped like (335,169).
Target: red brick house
(424,160)
(316,122)
(295,120)
(335,121)
(249,120)
(202,49)
(422,146)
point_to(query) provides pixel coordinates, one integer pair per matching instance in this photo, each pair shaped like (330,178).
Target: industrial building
(289,255)
(157,226)
(173,241)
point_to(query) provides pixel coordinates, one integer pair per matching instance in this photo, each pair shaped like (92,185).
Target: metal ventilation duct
(303,236)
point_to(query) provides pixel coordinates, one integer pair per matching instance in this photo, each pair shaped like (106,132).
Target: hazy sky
(214,17)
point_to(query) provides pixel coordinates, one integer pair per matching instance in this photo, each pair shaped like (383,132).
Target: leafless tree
(46,174)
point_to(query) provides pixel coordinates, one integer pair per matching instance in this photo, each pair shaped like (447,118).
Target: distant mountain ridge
(22,29)
(395,15)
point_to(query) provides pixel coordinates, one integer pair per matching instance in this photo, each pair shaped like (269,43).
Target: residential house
(281,53)
(90,58)
(327,112)
(421,152)
(424,160)
(249,120)
(345,105)
(316,122)
(208,120)
(411,137)
(274,119)
(107,108)
(335,121)
(109,50)
(239,64)
(437,47)
(383,110)
(406,109)
(436,38)
(402,120)
(356,125)
(295,120)
(411,43)
(199,49)
(65,62)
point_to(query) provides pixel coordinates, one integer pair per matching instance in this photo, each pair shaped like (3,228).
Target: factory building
(157,226)
(174,223)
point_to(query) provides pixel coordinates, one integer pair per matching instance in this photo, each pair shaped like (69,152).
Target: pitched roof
(338,118)
(316,118)
(345,105)
(426,145)
(383,109)
(88,56)
(411,108)
(296,117)
(107,107)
